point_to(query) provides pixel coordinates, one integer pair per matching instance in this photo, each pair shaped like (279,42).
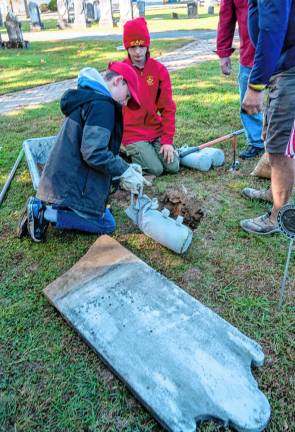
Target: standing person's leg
(144,154)
(280,114)
(251,123)
(172,167)
(282,181)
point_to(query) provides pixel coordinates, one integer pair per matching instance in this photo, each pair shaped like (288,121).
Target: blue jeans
(252,123)
(69,220)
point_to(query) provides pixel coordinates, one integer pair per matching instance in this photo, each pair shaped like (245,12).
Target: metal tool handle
(11,175)
(284,280)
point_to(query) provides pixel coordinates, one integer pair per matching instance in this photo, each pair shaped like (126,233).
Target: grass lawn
(158,20)
(45,62)
(50,381)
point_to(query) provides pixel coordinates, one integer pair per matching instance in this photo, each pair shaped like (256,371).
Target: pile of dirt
(181,202)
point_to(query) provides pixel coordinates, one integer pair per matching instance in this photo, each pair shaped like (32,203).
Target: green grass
(50,381)
(45,62)
(158,20)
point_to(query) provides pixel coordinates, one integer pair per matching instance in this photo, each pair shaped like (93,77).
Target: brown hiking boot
(257,194)
(261,225)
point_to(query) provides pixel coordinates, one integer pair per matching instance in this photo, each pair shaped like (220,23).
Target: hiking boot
(251,152)
(22,226)
(257,194)
(36,224)
(261,225)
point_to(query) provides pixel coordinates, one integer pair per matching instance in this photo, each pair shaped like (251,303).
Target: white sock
(50,214)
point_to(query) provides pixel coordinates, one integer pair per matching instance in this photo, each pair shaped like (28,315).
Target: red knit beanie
(136,33)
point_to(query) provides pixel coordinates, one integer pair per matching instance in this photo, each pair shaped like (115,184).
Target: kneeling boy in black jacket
(76,180)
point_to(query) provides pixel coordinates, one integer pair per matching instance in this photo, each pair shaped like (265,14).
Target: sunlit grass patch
(46,62)
(50,381)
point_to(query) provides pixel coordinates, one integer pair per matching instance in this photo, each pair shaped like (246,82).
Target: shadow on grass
(49,379)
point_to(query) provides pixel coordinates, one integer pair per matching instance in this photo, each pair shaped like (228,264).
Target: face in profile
(119,90)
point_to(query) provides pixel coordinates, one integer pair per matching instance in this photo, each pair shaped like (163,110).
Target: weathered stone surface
(106,18)
(126,12)
(63,14)
(15,34)
(182,360)
(34,12)
(80,18)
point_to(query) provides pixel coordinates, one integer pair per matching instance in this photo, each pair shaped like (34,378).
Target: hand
(167,150)
(253,101)
(133,180)
(225,65)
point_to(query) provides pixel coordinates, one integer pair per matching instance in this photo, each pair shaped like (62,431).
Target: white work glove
(132,179)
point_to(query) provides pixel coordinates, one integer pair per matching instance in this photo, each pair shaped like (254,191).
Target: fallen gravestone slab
(180,359)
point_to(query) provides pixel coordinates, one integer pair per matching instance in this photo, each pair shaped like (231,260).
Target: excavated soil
(183,203)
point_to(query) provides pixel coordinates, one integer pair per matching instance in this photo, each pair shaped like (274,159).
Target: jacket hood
(73,99)
(91,86)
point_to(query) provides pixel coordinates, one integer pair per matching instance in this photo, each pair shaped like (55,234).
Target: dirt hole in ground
(181,202)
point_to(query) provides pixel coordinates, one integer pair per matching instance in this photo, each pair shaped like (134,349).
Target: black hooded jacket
(85,156)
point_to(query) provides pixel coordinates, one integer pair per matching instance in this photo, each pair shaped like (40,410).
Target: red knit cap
(136,33)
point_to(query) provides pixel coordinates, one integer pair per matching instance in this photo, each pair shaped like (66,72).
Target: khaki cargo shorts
(279,113)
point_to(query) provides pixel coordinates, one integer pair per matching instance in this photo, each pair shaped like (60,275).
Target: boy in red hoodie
(149,132)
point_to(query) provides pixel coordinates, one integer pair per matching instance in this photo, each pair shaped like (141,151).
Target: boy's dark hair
(110,74)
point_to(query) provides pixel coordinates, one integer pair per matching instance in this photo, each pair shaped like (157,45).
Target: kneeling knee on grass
(148,155)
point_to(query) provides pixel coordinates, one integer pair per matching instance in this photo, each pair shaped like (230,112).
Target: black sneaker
(251,152)
(36,224)
(22,226)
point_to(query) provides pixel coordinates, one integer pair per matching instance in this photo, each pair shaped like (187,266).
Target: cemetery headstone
(192,9)
(126,13)
(89,11)
(14,31)
(80,17)
(63,14)
(71,11)
(210,6)
(96,9)
(141,7)
(34,12)
(106,18)
(1,42)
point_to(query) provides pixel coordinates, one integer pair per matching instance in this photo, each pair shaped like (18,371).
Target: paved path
(192,53)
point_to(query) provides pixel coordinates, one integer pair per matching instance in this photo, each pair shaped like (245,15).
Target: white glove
(132,179)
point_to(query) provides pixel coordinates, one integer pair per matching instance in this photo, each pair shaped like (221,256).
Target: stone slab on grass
(180,359)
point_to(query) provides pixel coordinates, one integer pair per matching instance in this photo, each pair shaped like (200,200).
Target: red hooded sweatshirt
(156,116)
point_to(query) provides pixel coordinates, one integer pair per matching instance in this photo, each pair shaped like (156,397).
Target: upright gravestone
(96,9)
(210,6)
(106,18)
(80,17)
(1,42)
(15,34)
(36,23)
(63,14)
(141,7)
(89,11)
(192,9)
(71,11)
(125,11)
